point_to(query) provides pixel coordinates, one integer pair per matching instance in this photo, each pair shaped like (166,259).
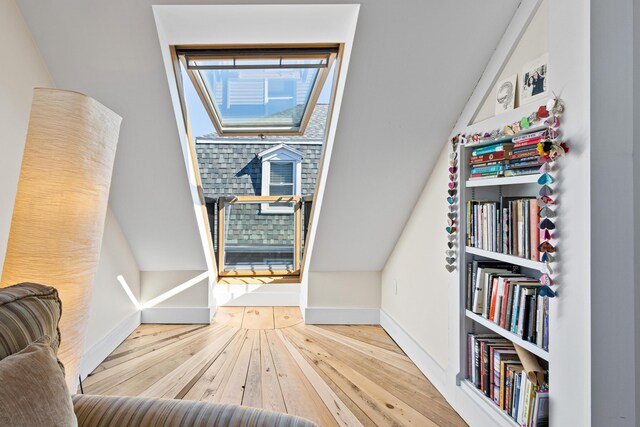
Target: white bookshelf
(515,260)
(490,189)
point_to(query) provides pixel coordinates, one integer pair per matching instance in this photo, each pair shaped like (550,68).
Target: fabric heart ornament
(450,200)
(545,191)
(546,224)
(452,177)
(450,230)
(450,260)
(452,192)
(453,162)
(524,123)
(451,215)
(545,179)
(546,257)
(545,280)
(450,253)
(507,130)
(543,112)
(545,200)
(545,166)
(453,156)
(453,185)
(451,222)
(546,291)
(450,268)
(546,235)
(453,169)
(547,212)
(546,247)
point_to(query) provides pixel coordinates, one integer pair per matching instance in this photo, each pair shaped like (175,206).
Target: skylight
(266,91)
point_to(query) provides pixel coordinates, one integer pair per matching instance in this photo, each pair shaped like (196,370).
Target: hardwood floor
(266,357)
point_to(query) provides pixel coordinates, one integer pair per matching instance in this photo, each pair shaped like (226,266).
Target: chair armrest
(115,411)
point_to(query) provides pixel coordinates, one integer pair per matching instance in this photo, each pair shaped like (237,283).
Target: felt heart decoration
(450,244)
(507,130)
(450,260)
(453,156)
(450,200)
(452,192)
(453,185)
(546,224)
(545,200)
(545,191)
(547,212)
(452,208)
(543,112)
(450,253)
(546,247)
(524,123)
(452,177)
(450,268)
(450,230)
(545,166)
(453,162)
(546,235)
(451,222)
(453,169)
(546,291)
(545,179)
(550,104)
(545,280)
(451,215)
(546,257)
(451,238)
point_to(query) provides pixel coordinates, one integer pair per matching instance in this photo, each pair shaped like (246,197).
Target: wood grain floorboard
(265,357)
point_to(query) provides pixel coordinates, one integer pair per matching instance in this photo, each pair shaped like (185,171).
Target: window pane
(281,173)
(281,190)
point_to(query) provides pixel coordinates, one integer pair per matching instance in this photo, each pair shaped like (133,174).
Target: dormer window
(281,176)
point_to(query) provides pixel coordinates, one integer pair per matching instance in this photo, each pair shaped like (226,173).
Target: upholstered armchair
(29,312)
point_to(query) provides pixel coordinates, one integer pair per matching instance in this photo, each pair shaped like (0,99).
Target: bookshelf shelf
(522,262)
(508,335)
(475,394)
(508,180)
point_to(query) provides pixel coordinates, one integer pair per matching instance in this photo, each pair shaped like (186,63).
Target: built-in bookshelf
(485,322)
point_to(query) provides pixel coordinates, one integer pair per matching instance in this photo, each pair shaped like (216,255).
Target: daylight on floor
(310,214)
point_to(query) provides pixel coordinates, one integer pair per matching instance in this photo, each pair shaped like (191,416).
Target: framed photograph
(534,80)
(506,94)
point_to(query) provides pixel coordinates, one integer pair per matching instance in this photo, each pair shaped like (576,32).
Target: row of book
(518,157)
(509,226)
(498,292)
(496,370)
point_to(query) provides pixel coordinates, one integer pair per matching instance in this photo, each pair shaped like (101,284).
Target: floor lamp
(60,207)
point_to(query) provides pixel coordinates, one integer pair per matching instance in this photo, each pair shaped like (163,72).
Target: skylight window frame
(327,53)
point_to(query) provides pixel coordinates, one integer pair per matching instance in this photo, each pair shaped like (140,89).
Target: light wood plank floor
(266,357)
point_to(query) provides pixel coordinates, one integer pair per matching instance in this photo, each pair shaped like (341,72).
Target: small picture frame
(534,80)
(506,92)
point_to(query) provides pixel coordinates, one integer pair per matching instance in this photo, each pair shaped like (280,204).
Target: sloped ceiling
(413,66)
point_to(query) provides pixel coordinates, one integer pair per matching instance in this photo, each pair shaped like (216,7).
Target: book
(520,140)
(489,157)
(540,413)
(534,220)
(487,169)
(522,171)
(493,148)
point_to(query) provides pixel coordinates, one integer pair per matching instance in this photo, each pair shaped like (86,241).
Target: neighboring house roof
(292,152)
(313,133)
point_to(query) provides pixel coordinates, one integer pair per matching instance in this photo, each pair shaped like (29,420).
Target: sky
(199,119)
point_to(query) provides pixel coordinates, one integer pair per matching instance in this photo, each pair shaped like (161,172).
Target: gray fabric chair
(28,311)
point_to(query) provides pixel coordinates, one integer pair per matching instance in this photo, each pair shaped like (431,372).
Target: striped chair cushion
(28,311)
(111,411)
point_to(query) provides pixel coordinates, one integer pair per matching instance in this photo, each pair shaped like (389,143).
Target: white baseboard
(175,315)
(341,316)
(103,348)
(435,372)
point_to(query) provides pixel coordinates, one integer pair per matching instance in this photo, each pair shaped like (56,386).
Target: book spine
(491,149)
(487,169)
(490,157)
(534,220)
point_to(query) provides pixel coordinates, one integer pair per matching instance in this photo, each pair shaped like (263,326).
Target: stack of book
(524,155)
(498,292)
(518,157)
(489,161)
(509,226)
(495,369)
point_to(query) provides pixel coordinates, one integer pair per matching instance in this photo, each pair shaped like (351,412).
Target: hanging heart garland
(452,215)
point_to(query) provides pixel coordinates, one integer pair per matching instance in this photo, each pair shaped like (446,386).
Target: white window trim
(280,153)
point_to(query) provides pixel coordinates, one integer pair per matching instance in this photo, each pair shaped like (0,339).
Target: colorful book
(494,148)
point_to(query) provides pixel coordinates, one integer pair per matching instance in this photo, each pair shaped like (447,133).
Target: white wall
(23,70)
(155,283)
(417,265)
(20,72)
(534,42)
(352,289)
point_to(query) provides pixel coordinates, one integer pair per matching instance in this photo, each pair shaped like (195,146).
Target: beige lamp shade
(60,207)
